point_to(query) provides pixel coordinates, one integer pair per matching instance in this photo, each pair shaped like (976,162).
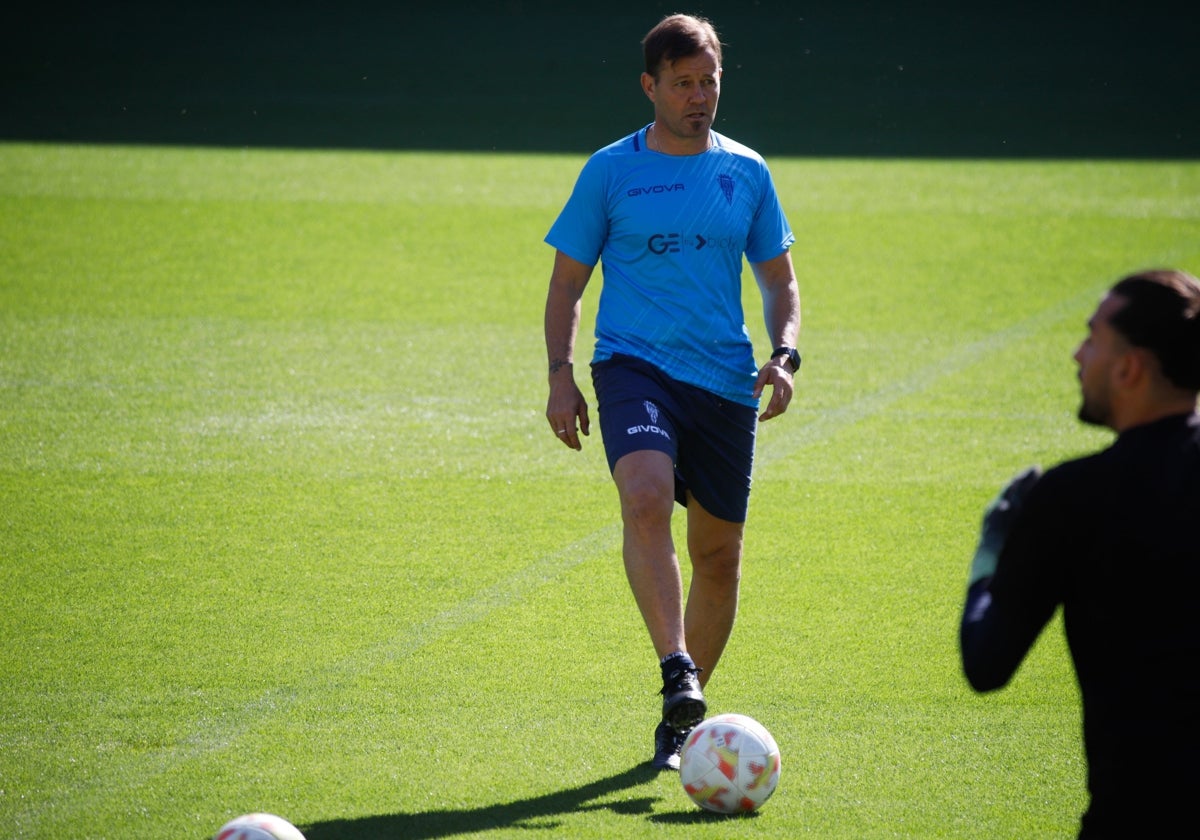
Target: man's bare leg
(715,547)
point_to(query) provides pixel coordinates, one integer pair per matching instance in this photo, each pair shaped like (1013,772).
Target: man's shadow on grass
(539,812)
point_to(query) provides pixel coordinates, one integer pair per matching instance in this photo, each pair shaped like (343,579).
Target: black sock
(675,664)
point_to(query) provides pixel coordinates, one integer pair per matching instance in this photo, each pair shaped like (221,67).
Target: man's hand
(997,520)
(566,409)
(775,374)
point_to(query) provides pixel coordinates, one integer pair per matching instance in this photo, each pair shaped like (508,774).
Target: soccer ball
(729,764)
(259,827)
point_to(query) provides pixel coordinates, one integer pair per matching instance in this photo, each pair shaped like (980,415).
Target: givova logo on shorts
(649,428)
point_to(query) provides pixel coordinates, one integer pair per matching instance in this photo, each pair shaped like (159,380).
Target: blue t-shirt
(670,231)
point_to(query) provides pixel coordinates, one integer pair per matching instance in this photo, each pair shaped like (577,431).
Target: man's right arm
(999,627)
(566,408)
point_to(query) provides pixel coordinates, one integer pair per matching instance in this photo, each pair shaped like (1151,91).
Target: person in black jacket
(1115,539)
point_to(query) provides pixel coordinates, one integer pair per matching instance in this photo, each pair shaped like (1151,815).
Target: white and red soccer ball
(729,764)
(259,827)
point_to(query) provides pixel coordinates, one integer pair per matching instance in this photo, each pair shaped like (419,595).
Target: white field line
(37,817)
(43,818)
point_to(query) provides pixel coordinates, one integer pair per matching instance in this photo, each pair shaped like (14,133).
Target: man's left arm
(781,311)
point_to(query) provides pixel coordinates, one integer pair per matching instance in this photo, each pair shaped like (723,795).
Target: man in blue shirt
(669,211)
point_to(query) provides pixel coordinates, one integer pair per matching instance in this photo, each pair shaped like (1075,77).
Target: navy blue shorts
(709,438)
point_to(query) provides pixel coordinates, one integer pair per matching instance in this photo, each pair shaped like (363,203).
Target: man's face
(685,94)
(1097,358)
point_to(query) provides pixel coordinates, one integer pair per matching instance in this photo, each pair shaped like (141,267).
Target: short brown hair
(676,37)
(1162,315)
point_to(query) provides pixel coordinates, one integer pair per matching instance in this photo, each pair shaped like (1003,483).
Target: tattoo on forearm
(558,364)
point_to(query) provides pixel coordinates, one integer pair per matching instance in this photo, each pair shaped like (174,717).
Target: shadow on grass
(539,812)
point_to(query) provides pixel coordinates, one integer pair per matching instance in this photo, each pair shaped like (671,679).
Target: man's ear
(648,86)
(1133,367)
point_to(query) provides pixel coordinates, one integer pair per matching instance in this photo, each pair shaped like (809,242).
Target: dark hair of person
(676,37)
(1162,315)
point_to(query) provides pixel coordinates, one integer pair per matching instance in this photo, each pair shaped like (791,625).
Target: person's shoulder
(1082,465)
(629,144)
(741,150)
(1076,477)
(608,161)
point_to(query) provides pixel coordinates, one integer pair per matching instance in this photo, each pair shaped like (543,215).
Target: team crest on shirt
(652,427)
(652,411)
(726,182)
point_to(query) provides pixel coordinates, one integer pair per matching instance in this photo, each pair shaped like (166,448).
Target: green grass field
(282,527)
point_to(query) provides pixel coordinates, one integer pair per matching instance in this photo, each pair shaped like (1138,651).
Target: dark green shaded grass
(282,527)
